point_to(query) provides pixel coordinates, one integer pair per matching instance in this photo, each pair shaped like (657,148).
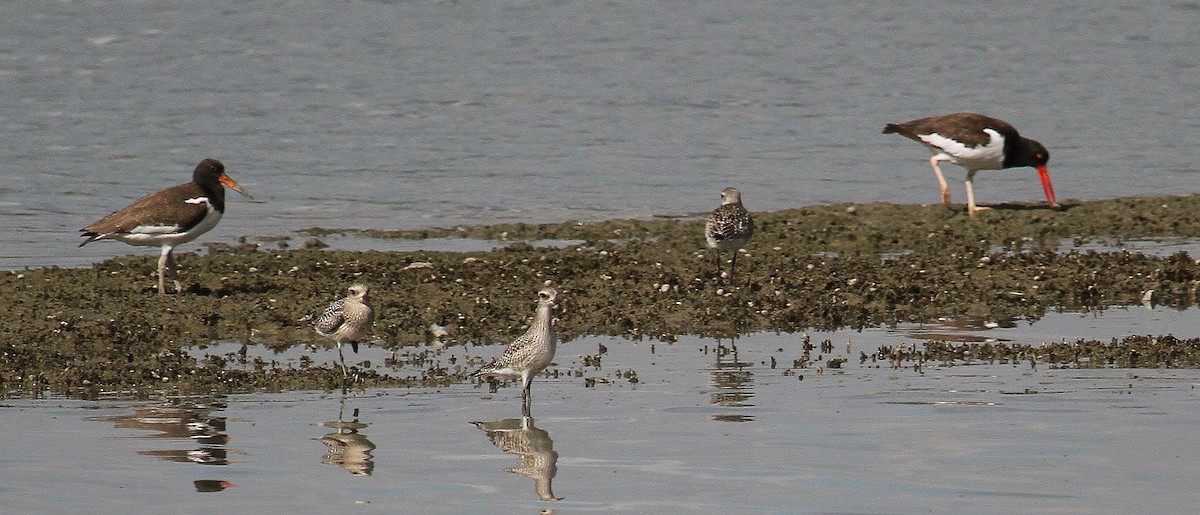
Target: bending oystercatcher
(169,217)
(976,142)
(728,227)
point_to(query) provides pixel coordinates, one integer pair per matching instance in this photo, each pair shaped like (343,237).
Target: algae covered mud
(102,329)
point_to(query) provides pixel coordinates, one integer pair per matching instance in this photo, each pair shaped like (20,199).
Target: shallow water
(694,433)
(404,115)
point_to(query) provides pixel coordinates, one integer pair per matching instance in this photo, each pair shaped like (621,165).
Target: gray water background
(403,115)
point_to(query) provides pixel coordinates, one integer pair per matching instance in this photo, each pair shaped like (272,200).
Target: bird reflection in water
(963,329)
(211,485)
(190,419)
(537,458)
(193,419)
(733,383)
(346,447)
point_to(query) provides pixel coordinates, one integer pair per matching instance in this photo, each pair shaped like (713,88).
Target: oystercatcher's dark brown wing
(965,128)
(172,210)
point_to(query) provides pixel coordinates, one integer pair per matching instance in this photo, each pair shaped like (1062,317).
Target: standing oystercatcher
(975,142)
(169,217)
(729,226)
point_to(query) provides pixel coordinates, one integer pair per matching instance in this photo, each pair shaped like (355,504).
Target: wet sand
(83,331)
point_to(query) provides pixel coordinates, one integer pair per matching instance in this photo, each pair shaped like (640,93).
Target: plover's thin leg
(345,373)
(527,394)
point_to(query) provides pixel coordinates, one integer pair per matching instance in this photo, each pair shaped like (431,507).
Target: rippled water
(396,114)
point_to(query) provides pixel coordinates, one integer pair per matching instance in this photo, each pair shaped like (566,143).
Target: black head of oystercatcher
(976,142)
(169,217)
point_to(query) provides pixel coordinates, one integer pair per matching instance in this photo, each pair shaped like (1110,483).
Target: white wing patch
(150,230)
(155,235)
(983,157)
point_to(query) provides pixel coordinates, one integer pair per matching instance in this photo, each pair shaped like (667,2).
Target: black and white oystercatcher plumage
(169,217)
(976,142)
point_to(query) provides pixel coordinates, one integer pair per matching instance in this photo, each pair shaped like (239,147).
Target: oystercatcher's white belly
(983,157)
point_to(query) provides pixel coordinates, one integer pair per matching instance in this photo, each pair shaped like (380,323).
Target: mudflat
(86,330)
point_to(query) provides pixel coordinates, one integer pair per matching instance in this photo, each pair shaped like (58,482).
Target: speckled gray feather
(530,353)
(730,226)
(348,319)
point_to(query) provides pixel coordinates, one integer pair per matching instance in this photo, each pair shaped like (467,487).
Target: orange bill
(1047,188)
(228,181)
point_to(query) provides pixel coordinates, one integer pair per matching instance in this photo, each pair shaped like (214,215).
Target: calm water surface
(396,114)
(696,432)
(702,438)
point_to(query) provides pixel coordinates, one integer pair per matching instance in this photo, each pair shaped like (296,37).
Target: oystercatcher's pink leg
(941,178)
(971,207)
(166,265)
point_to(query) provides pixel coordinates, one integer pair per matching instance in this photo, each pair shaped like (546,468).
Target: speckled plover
(729,227)
(529,354)
(348,319)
